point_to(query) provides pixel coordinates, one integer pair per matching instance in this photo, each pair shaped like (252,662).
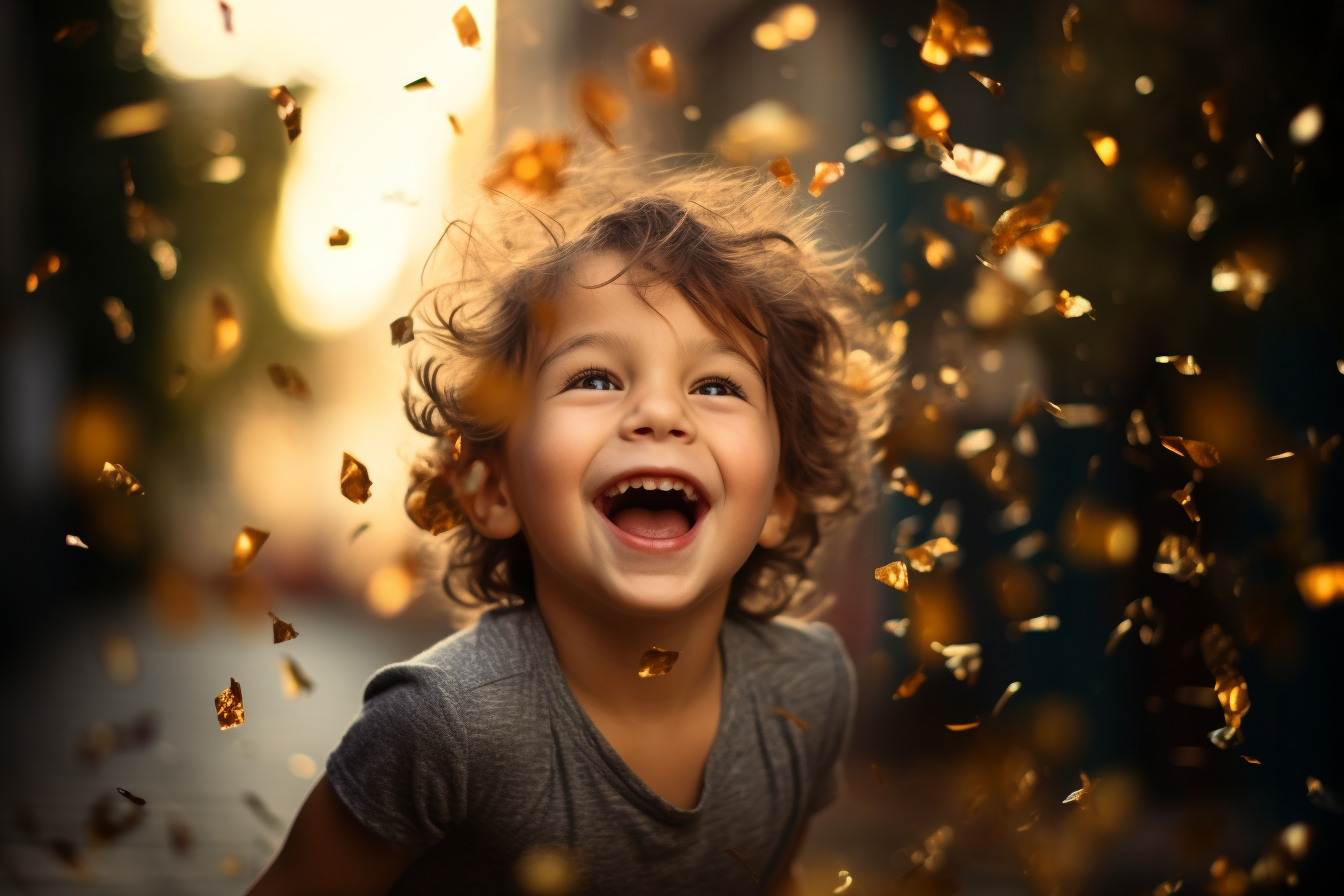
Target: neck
(599,652)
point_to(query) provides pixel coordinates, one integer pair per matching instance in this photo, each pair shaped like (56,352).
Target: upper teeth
(659,483)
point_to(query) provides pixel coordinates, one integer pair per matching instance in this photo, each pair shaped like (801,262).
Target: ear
(780,518)
(485,498)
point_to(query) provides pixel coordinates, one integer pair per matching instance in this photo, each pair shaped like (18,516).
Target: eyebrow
(704,346)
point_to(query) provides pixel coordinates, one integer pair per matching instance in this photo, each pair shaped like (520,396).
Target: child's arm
(329,853)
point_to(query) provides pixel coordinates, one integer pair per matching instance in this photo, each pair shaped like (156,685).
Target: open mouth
(655,507)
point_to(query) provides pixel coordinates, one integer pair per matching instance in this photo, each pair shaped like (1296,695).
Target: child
(648,411)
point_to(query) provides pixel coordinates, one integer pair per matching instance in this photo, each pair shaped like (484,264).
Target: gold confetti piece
(962,660)
(359,530)
(133,119)
(1003,700)
(283,631)
(969,213)
(1069,305)
(419,84)
(657,661)
(46,266)
(897,627)
(975,442)
(949,36)
(783,172)
(288,109)
(894,574)
(1178,558)
(923,557)
(263,812)
(928,119)
(1039,624)
(787,25)
(1282,456)
(938,252)
(431,506)
(1251,759)
(403,330)
(1053,409)
(991,85)
(785,714)
(118,478)
(293,683)
(246,545)
(1212,106)
(1241,274)
(1105,146)
(1323,797)
(226,11)
(1187,502)
(1263,145)
(75,541)
(338,238)
(1166,888)
(138,800)
(456,125)
(603,106)
(76,32)
(1083,795)
(1072,16)
(826,174)
(1322,584)
(910,684)
(866,279)
(226,330)
(288,380)
(119,657)
(1017,221)
(963,726)
(121,319)
(355,483)
(968,163)
(1306,125)
(229,706)
(732,853)
(467,32)
(846,881)
(1201,453)
(1118,633)
(652,69)
(532,164)
(1183,363)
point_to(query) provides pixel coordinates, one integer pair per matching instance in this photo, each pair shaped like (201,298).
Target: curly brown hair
(746,254)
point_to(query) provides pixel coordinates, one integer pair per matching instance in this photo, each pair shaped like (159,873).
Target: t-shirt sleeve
(839,723)
(401,767)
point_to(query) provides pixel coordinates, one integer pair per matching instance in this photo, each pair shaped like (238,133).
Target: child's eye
(719,385)
(598,380)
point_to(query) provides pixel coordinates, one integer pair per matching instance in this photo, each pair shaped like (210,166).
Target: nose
(659,413)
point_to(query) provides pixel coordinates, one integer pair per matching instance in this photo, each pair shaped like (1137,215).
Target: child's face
(622,390)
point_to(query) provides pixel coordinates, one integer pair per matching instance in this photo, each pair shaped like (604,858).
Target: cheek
(748,457)
(546,458)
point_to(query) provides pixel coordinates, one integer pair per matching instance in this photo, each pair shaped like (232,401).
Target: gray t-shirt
(476,750)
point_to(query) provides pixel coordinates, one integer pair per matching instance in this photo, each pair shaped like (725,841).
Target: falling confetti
(826,174)
(1187,502)
(949,36)
(1322,584)
(419,84)
(1003,700)
(226,331)
(532,164)
(969,213)
(962,660)
(1083,795)
(938,252)
(1039,624)
(455,124)
(226,11)
(894,574)
(338,238)
(288,380)
(1072,16)
(287,108)
(133,119)
(603,106)
(1201,453)
(75,541)
(1020,220)
(1105,146)
(116,312)
(1265,146)
(962,726)
(431,506)
(910,684)
(652,69)
(896,627)
(846,881)
(785,714)
(1322,797)
(1212,106)
(1280,456)
(928,119)
(657,661)
(138,800)
(258,806)
(359,530)
(403,330)
(283,631)
(1306,125)
(47,266)
(1184,364)
(355,483)
(118,478)
(1068,305)
(1179,558)
(229,706)
(994,87)
(787,25)
(293,682)
(246,545)
(467,32)
(923,557)
(783,172)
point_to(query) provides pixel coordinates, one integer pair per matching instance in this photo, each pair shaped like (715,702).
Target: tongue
(651,523)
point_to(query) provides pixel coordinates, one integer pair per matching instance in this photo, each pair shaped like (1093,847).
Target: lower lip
(654,545)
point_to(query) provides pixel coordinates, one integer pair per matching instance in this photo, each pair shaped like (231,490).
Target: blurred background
(1115,603)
